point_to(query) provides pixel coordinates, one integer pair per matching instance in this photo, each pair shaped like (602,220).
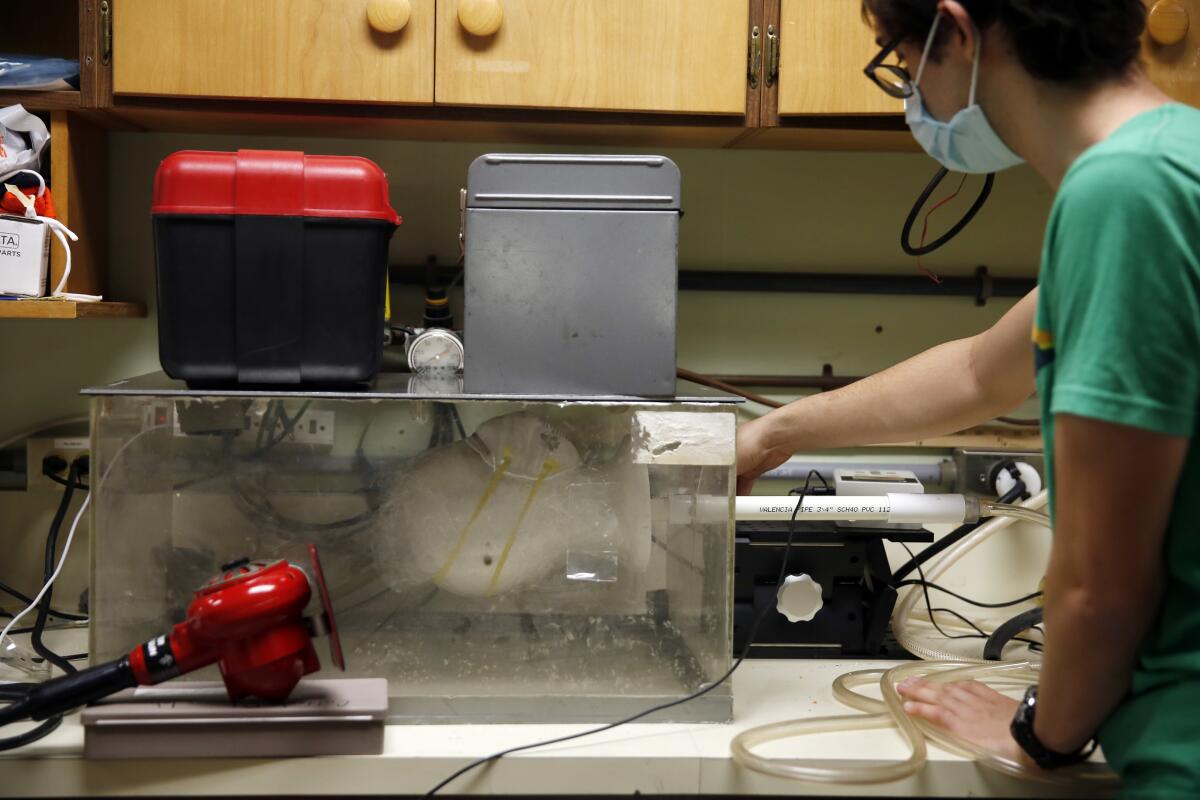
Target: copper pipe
(704,380)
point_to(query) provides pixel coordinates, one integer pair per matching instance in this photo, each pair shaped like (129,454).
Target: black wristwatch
(1044,757)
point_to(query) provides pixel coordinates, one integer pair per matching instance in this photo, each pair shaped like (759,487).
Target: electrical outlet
(37,449)
(313,428)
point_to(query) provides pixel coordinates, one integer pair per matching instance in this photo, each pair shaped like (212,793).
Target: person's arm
(1103,589)
(1116,486)
(951,387)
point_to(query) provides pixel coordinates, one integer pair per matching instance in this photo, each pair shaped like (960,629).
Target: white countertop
(650,759)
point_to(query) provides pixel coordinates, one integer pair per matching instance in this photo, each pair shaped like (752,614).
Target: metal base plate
(194,720)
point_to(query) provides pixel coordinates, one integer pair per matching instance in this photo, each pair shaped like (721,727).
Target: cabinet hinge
(106,35)
(754,57)
(772,55)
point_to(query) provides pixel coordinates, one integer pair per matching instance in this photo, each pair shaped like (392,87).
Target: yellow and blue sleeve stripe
(1043,347)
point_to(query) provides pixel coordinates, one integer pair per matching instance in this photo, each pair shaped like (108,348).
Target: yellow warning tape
(549,467)
(493,484)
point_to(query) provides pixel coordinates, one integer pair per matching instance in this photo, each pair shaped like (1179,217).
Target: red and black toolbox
(271,267)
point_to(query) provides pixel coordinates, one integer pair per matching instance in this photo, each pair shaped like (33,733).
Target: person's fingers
(935,713)
(745,485)
(921,692)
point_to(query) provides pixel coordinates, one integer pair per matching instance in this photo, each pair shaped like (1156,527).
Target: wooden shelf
(42,101)
(68,309)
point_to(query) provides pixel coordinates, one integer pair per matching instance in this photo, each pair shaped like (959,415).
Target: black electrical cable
(994,649)
(72,657)
(78,467)
(260,508)
(930,188)
(53,466)
(288,427)
(979,634)
(924,584)
(271,417)
(14,693)
(662,707)
(957,535)
(978,603)
(462,433)
(18,631)
(64,482)
(263,511)
(27,600)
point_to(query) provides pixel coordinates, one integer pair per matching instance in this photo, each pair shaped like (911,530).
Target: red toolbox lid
(279,183)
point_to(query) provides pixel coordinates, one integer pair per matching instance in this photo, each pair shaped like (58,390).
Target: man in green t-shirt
(1116,354)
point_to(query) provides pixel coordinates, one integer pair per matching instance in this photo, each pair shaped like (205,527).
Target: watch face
(1022,732)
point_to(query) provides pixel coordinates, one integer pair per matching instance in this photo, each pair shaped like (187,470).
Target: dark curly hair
(1080,42)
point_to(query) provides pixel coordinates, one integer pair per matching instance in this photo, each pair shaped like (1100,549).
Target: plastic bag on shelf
(38,73)
(23,137)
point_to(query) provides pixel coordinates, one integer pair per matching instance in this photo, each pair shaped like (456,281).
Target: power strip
(313,428)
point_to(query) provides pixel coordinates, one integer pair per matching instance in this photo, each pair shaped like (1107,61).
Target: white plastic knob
(1029,476)
(389,16)
(799,598)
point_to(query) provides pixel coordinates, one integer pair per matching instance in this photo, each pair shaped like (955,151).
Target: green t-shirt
(1118,339)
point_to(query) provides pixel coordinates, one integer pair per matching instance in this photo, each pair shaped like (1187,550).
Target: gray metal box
(571,274)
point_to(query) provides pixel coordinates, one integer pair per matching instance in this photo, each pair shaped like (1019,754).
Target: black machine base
(852,568)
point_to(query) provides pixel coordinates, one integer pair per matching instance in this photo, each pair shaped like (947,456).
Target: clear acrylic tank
(496,559)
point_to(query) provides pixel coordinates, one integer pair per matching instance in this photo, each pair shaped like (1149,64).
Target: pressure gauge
(435,350)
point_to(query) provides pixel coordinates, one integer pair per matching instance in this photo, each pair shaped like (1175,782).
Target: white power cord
(62,560)
(53,577)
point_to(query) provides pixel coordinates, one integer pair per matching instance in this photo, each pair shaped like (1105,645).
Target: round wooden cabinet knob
(389,16)
(480,17)
(1168,22)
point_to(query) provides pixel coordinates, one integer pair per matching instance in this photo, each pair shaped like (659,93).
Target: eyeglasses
(892,78)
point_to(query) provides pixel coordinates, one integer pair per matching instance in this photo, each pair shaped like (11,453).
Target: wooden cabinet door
(1171,50)
(671,56)
(277,49)
(823,47)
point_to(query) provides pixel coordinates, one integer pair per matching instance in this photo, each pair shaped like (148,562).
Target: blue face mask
(967,143)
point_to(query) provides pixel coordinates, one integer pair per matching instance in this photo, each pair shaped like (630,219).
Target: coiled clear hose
(889,712)
(1003,517)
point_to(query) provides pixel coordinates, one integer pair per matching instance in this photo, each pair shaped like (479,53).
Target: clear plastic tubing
(889,712)
(1029,510)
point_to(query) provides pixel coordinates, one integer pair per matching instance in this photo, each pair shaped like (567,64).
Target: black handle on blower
(61,695)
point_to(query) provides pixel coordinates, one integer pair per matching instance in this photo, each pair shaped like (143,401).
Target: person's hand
(755,455)
(968,709)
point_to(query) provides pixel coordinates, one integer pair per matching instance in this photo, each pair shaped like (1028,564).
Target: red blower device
(249,621)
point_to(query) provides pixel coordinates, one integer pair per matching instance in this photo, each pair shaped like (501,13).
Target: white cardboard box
(24,256)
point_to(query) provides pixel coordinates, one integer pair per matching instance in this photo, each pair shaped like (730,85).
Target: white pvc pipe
(952,509)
